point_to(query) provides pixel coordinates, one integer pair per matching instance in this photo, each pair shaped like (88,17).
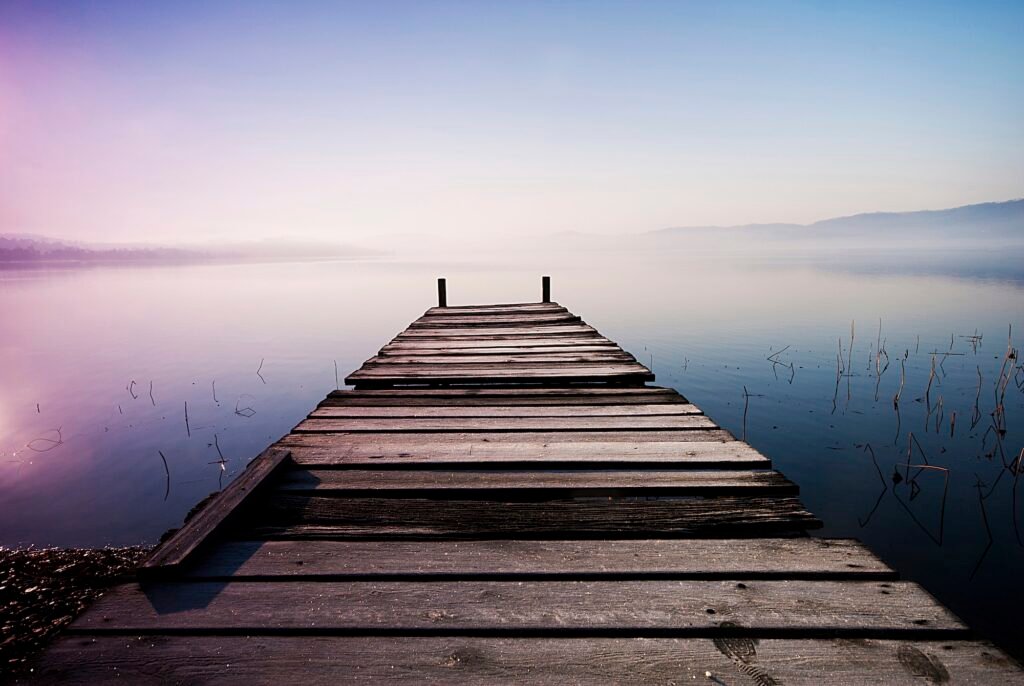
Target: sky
(362,122)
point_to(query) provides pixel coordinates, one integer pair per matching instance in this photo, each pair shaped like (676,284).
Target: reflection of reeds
(928,389)
(976,410)
(885,487)
(188,429)
(776,362)
(988,530)
(44,444)
(259,369)
(903,381)
(151,398)
(167,491)
(746,402)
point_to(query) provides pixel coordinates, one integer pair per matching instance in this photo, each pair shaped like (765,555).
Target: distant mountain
(992,219)
(29,249)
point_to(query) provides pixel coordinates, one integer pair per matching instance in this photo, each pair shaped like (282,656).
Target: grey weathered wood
(505,392)
(368,449)
(496,424)
(550,372)
(574,330)
(305,515)
(494,411)
(532,483)
(405,350)
(638,558)
(497,309)
(489,342)
(611,356)
(500,394)
(581,402)
(247,660)
(212,517)
(523,371)
(682,608)
(520,319)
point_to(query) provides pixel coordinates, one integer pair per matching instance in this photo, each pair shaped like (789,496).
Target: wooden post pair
(442,291)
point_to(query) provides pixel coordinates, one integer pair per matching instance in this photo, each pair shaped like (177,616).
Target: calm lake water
(97,364)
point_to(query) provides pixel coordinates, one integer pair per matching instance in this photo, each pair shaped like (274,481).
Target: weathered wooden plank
(682,608)
(480,343)
(733,558)
(312,516)
(520,371)
(401,350)
(513,392)
(517,484)
(211,518)
(581,402)
(497,424)
(410,374)
(354,450)
(517,319)
(553,330)
(247,660)
(614,356)
(459,310)
(499,395)
(330,409)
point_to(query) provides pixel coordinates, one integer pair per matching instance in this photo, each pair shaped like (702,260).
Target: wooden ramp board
(501,499)
(684,608)
(758,558)
(493,345)
(247,660)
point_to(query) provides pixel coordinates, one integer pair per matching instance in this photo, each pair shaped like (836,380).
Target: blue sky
(351,121)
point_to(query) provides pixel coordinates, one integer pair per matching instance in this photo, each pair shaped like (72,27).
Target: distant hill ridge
(1007,214)
(25,248)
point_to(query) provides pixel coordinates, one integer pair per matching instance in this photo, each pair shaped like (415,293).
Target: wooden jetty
(502,499)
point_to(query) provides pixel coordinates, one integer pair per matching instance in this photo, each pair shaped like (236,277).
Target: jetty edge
(502,498)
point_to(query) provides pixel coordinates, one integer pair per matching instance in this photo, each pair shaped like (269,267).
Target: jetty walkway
(502,499)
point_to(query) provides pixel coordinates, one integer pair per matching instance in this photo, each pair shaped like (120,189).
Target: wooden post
(442,293)
(546,288)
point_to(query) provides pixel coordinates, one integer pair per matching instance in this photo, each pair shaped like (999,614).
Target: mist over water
(98,365)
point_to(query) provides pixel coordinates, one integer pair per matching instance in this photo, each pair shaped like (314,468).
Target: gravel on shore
(44,589)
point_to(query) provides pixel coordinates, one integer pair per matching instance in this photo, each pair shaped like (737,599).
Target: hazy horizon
(349,122)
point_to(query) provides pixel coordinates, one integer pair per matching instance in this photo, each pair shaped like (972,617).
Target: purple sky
(353,122)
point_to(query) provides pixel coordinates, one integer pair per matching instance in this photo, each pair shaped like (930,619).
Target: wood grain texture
(640,558)
(681,608)
(540,372)
(320,424)
(351,450)
(590,340)
(418,483)
(489,320)
(568,358)
(404,349)
(487,310)
(284,515)
(348,411)
(213,516)
(243,661)
(515,392)
(526,331)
